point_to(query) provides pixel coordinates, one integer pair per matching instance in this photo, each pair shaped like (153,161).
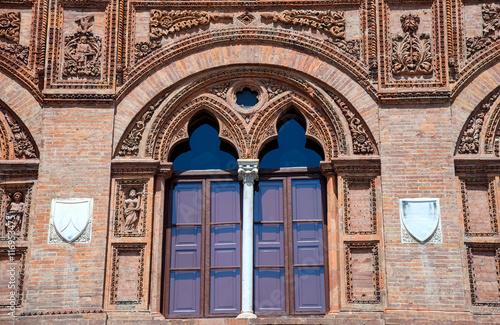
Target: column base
(247,314)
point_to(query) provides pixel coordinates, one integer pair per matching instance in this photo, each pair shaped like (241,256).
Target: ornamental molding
(411,53)
(11,254)
(330,22)
(370,181)
(140,248)
(471,248)
(10,25)
(470,136)
(345,59)
(163,23)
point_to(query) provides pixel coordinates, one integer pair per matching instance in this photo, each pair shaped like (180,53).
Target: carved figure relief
(15,206)
(163,22)
(491,27)
(82,51)
(131,211)
(411,53)
(332,22)
(131,208)
(15,212)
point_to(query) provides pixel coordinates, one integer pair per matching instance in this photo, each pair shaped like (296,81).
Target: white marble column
(248,172)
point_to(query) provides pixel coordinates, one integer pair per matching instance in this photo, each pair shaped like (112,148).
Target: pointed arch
(175,129)
(318,127)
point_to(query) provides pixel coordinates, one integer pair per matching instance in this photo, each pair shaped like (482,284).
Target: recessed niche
(247,97)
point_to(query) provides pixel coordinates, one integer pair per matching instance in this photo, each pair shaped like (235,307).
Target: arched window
(290,224)
(203,231)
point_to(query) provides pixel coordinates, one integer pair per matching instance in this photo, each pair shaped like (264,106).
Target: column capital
(248,170)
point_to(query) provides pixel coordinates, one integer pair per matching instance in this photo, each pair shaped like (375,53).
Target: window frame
(287,175)
(206,177)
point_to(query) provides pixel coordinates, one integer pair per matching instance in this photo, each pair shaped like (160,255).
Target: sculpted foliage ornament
(130,146)
(142,49)
(82,51)
(469,143)
(411,54)
(23,146)
(332,22)
(361,143)
(163,23)
(10,25)
(491,25)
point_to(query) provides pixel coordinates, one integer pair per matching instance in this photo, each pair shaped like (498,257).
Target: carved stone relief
(163,22)
(331,22)
(121,251)
(10,28)
(411,53)
(16,258)
(491,28)
(347,206)
(82,51)
(492,207)
(475,248)
(469,142)
(361,142)
(373,246)
(22,144)
(143,49)
(246,18)
(130,208)
(15,210)
(130,146)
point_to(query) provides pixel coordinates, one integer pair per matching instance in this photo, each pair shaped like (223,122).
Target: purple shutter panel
(184,292)
(225,291)
(185,250)
(225,202)
(268,201)
(309,288)
(269,290)
(308,243)
(268,245)
(187,203)
(306,198)
(309,282)
(225,248)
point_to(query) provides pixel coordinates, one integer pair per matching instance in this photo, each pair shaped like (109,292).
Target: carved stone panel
(71,220)
(411,52)
(360,206)
(362,273)
(131,208)
(127,277)
(484,267)
(82,50)
(491,30)
(12,266)
(15,210)
(479,208)
(420,220)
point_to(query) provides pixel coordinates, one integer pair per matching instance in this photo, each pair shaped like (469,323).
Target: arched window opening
(290,225)
(204,150)
(292,148)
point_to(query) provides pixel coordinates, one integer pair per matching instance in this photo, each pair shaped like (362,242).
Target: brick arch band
(330,120)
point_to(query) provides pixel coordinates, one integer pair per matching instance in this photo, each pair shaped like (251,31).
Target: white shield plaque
(420,216)
(70,216)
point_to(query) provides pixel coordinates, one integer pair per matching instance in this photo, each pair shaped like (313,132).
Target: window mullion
(288,245)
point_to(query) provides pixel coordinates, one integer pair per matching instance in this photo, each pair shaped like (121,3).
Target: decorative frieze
(163,22)
(82,51)
(411,53)
(331,22)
